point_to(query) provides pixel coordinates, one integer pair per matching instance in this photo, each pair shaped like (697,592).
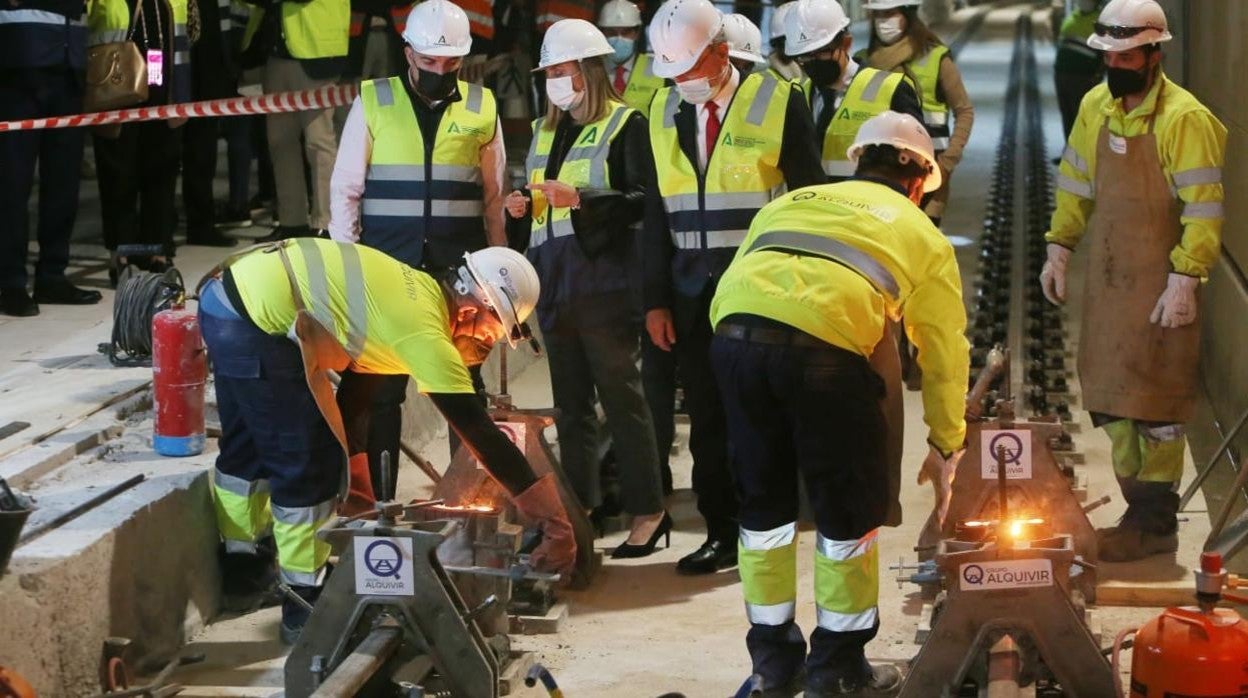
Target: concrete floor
(640,630)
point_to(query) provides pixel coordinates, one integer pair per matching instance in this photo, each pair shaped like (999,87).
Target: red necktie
(620,83)
(712,128)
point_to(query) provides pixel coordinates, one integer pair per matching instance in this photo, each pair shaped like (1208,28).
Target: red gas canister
(179,371)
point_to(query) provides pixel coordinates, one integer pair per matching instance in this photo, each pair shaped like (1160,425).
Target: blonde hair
(599,92)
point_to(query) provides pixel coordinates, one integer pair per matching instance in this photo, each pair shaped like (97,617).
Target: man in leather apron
(1141,178)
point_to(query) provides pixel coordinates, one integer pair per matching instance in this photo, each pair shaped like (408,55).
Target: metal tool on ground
(159,686)
(1203,473)
(64,518)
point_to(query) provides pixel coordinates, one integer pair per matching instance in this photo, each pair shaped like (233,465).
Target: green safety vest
(870,93)
(313,29)
(926,71)
(714,210)
(642,84)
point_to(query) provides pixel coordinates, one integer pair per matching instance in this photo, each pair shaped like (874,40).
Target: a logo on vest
(590,137)
(741,141)
(454,127)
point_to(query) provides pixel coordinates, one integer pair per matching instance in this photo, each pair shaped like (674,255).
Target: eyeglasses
(1116,32)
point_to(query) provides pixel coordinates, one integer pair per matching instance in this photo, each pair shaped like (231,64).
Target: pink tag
(155,67)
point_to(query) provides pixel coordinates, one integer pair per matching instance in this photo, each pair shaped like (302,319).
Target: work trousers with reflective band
(279,464)
(1146,451)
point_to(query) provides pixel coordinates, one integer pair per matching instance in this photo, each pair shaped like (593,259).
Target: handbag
(117,71)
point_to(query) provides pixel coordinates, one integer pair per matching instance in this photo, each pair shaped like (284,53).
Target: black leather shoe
(714,555)
(59,291)
(629,550)
(210,238)
(16,302)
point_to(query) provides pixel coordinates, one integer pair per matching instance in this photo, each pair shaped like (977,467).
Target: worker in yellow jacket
(1141,178)
(799,317)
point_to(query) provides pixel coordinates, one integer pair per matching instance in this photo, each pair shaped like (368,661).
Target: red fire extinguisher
(179,371)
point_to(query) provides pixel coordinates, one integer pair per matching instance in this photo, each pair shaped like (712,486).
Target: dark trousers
(708,431)
(1071,87)
(27,94)
(237,132)
(199,169)
(812,412)
(598,363)
(372,411)
(138,176)
(658,379)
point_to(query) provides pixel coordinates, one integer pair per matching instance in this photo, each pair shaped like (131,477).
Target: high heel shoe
(629,550)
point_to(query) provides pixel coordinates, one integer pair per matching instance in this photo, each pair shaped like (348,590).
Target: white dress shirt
(722,100)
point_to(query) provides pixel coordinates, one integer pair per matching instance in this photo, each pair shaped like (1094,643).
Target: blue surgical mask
(623,48)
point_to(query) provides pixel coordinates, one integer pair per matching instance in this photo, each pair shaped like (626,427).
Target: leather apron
(1129,367)
(886,362)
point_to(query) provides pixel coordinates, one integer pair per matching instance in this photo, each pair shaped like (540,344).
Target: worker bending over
(724,145)
(276,321)
(800,323)
(843,96)
(1142,179)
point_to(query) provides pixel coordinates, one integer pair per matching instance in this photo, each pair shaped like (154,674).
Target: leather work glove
(541,503)
(1177,305)
(940,471)
(1053,275)
(360,487)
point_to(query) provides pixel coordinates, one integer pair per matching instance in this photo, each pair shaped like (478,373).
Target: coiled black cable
(140,295)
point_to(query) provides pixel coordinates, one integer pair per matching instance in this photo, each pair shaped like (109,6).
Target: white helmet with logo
(744,39)
(619,14)
(505,281)
(679,33)
(438,28)
(903,132)
(812,25)
(888,4)
(571,40)
(1126,24)
(775,30)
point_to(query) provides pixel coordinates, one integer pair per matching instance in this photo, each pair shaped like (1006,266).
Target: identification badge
(155,67)
(1118,144)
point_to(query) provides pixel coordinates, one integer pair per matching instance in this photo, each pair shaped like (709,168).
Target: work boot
(1129,544)
(1149,527)
(249,580)
(295,615)
(883,680)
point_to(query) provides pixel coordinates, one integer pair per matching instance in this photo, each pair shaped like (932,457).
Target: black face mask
(1123,81)
(436,85)
(824,72)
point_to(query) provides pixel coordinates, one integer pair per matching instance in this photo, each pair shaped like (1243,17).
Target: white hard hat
(619,14)
(504,280)
(438,28)
(775,30)
(679,33)
(571,40)
(1126,24)
(889,4)
(903,132)
(812,25)
(744,39)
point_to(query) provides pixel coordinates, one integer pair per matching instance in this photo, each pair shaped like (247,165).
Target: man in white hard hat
(1141,177)
(724,145)
(779,63)
(419,176)
(745,43)
(800,318)
(283,440)
(628,68)
(843,96)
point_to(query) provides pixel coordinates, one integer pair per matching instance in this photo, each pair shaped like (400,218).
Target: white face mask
(561,93)
(889,30)
(696,91)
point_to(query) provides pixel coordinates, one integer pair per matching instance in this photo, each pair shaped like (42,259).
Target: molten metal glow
(478,508)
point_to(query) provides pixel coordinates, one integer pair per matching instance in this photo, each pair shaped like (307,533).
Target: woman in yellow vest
(589,170)
(902,43)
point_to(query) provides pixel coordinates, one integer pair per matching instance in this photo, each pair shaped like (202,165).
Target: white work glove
(1053,275)
(940,471)
(1177,305)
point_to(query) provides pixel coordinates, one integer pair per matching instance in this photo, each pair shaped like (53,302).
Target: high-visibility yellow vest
(425,213)
(714,210)
(108,21)
(926,71)
(642,84)
(585,165)
(313,29)
(1073,53)
(837,261)
(869,93)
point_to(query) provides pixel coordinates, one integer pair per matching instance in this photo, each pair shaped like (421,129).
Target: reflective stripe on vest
(642,84)
(585,165)
(926,71)
(408,200)
(317,299)
(714,210)
(834,251)
(36,17)
(870,93)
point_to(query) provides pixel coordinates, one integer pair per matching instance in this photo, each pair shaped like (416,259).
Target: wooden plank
(540,625)
(511,675)
(1160,580)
